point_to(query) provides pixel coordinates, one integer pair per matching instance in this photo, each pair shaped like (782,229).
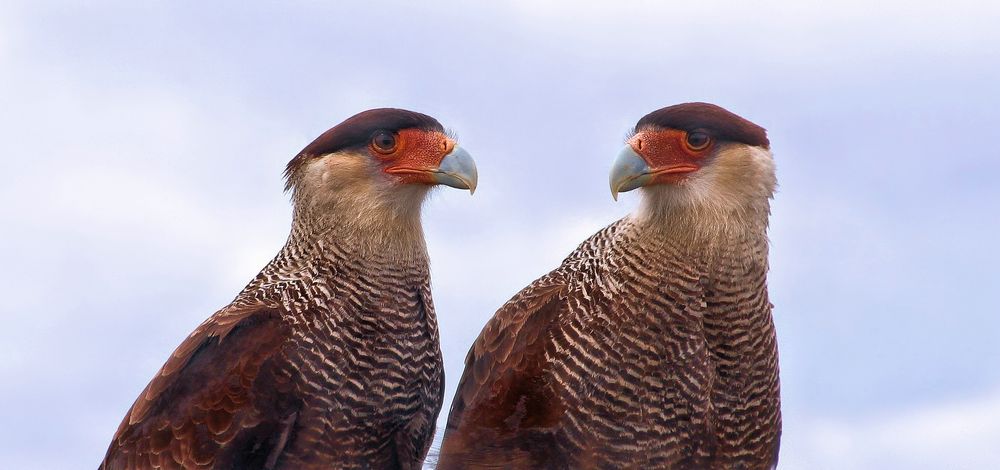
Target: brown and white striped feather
(639,351)
(330,355)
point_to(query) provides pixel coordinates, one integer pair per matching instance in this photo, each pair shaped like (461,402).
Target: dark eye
(698,140)
(384,142)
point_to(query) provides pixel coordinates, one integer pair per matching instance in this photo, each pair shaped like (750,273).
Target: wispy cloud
(960,434)
(143,146)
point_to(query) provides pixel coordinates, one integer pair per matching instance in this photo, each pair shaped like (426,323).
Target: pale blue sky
(143,146)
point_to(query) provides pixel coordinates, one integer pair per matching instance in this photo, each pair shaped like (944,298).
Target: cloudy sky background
(142,146)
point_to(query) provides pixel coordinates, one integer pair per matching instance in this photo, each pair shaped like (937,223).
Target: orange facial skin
(670,156)
(416,155)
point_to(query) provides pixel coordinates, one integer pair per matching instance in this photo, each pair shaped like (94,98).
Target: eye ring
(698,140)
(384,142)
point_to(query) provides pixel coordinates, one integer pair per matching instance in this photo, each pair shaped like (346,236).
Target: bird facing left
(330,356)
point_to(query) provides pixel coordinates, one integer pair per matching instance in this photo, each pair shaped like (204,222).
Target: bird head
(696,154)
(381,160)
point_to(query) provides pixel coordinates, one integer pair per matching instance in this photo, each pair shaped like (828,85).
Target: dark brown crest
(356,130)
(719,122)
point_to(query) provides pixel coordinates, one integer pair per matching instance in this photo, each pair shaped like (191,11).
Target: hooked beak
(458,170)
(628,172)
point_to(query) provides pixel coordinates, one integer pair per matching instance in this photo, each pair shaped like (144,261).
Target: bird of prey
(652,345)
(330,357)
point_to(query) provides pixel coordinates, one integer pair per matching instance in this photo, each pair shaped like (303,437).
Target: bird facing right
(652,345)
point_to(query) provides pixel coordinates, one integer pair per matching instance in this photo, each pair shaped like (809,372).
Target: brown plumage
(652,345)
(330,356)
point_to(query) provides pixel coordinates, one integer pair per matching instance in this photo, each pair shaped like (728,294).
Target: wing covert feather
(503,386)
(218,401)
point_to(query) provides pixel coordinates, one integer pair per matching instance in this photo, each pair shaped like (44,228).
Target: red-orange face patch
(417,152)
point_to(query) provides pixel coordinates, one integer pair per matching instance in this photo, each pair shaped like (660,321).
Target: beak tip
(629,171)
(458,170)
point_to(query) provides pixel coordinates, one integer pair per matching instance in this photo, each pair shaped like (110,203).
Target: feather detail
(642,350)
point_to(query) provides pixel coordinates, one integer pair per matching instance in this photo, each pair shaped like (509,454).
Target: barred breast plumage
(330,357)
(651,346)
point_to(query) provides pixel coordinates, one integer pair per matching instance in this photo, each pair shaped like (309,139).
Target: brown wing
(504,387)
(218,402)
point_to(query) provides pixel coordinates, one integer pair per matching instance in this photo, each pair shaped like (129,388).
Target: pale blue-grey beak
(457,170)
(628,172)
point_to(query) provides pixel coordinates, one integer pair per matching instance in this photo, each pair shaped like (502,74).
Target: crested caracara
(652,345)
(330,357)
